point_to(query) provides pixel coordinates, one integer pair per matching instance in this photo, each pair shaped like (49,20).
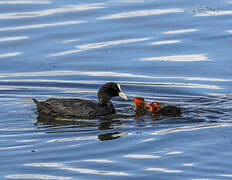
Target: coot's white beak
(122,95)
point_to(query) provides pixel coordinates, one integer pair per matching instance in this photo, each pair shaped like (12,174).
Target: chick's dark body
(170,110)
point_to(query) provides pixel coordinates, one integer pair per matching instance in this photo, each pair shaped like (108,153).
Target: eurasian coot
(80,108)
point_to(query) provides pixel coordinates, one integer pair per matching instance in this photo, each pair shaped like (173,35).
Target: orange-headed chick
(155,107)
(140,105)
(167,110)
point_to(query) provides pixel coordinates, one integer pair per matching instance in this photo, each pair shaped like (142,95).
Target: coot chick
(140,106)
(155,107)
(80,108)
(167,110)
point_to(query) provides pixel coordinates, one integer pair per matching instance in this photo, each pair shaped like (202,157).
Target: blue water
(175,52)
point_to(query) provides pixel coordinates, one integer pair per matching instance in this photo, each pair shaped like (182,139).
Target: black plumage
(81,108)
(170,110)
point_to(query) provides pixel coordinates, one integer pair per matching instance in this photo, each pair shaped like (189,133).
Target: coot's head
(109,90)
(140,103)
(155,107)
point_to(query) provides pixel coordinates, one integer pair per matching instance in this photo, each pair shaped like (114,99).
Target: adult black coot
(80,108)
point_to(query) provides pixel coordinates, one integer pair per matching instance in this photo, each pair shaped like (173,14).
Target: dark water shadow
(96,125)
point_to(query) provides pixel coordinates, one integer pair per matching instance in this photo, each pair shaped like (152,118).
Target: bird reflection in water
(106,123)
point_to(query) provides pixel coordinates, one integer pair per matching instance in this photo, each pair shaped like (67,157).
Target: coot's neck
(105,94)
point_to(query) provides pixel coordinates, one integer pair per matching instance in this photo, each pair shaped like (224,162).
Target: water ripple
(180,31)
(141,156)
(35,26)
(15,147)
(214,13)
(147,12)
(73,139)
(16,38)
(36,176)
(86,47)
(99,73)
(190,128)
(80,170)
(49,12)
(174,153)
(25,2)
(166,42)
(163,170)
(126,1)
(71,40)
(99,160)
(179,58)
(11,54)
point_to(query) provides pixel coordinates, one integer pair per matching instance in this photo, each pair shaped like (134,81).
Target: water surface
(175,52)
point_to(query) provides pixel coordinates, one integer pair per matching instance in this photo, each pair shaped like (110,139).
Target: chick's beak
(150,108)
(122,95)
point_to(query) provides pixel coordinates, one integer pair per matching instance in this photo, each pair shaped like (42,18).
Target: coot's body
(72,108)
(170,110)
(80,108)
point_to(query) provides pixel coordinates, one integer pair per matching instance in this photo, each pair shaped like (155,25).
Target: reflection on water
(25,2)
(189,128)
(35,26)
(10,54)
(179,58)
(141,13)
(47,12)
(81,170)
(214,13)
(180,31)
(165,42)
(86,47)
(126,1)
(141,156)
(99,160)
(163,170)
(175,152)
(26,75)
(16,38)
(111,136)
(71,40)
(36,176)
